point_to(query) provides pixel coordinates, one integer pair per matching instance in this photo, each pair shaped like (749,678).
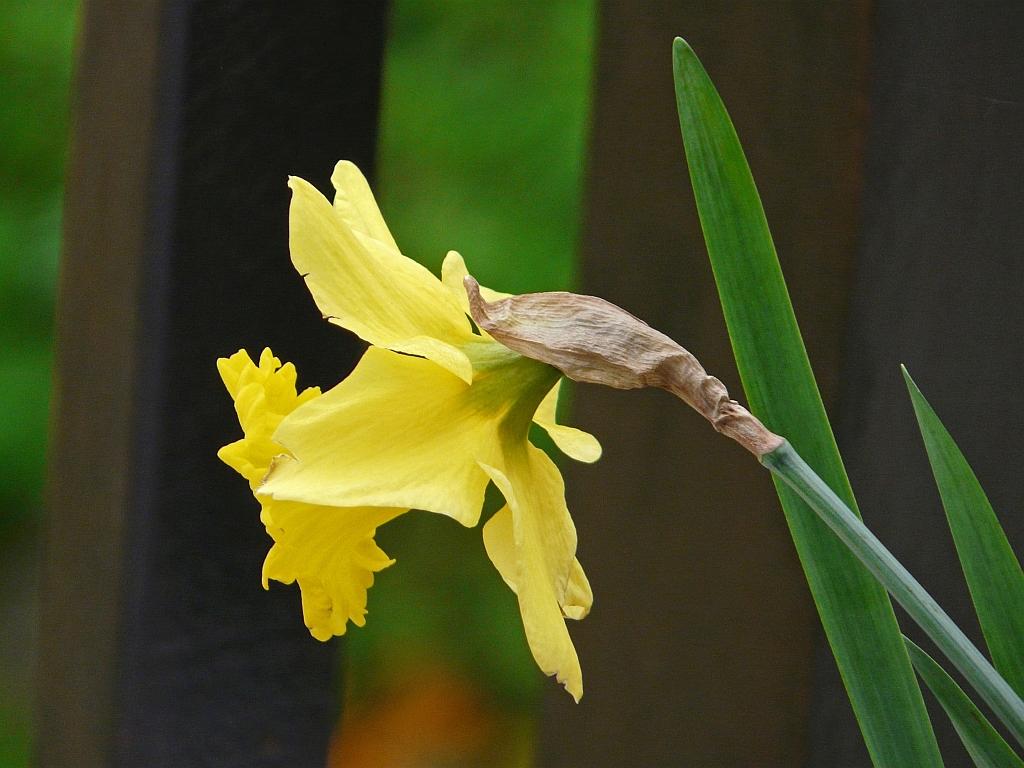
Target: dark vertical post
(160,646)
(699,648)
(940,287)
(105,232)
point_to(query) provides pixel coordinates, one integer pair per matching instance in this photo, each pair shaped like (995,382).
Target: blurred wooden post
(159,647)
(940,287)
(700,646)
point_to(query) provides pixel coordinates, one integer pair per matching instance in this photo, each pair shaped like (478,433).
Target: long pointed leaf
(993,573)
(984,744)
(855,611)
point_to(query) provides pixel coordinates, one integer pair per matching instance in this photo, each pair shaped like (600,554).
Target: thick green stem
(905,589)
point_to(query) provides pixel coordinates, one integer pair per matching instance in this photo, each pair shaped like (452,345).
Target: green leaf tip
(685,63)
(993,573)
(911,384)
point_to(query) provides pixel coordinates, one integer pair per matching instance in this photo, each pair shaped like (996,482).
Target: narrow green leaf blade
(789,467)
(854,609)
(993,573)
(984,744)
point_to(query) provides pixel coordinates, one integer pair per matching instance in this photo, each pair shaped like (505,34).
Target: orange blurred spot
(435,718)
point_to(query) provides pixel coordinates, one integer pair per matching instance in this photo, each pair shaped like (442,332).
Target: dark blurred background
(540,140)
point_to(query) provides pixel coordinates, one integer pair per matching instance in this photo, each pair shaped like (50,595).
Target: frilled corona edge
(593,341)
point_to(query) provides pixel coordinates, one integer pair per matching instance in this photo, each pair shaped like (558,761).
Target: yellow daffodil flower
(433,412)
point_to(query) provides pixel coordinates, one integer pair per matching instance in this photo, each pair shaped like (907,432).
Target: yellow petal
(263,394)
(240,456)
(499,541)
(448,357)
(544,543)
(366,285)
(579,597)
(331,553)
(453,269)
(574,443)
(231,369)
(355,203)
(398,432)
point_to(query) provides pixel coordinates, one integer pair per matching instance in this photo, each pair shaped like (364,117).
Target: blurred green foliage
(483,135)
(35,71)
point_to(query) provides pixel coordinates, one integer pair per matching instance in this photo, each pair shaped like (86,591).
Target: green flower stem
(786,463)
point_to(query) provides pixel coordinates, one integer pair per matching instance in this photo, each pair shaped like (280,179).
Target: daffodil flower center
(508,385)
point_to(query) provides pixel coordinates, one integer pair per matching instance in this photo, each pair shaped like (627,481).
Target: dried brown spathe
(592,340)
